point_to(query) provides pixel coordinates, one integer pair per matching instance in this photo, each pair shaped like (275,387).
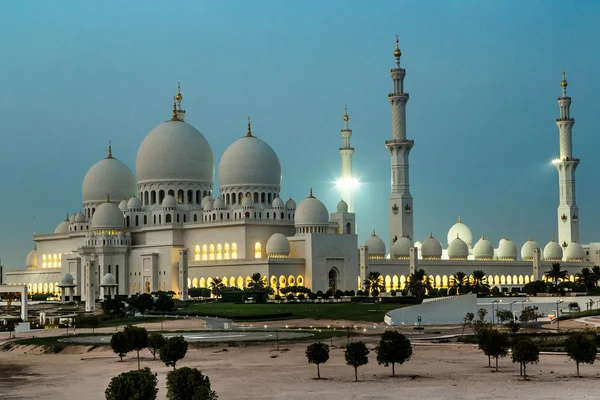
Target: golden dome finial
(178,97)
(174,115)
(311,195)
(66,219)
(430,235)
(346,117)
(397,52)
(108,197)
(563,83)
(249,133)
(482,237)
(459,222)
(109,150)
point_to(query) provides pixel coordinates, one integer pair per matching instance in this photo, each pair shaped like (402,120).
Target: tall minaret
(346,152)
(568,213)
(401,201)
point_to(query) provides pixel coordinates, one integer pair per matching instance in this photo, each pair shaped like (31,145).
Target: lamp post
(511,304)
(557,320)
(523,305)
(494,302)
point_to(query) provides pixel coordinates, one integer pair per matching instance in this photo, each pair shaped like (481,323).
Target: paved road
(232,336)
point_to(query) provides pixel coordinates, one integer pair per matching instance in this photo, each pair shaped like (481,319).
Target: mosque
(166,228)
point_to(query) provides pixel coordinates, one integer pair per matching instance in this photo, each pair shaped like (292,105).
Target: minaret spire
(249,133)
(346,183)
(566,165)
(399,147)
(109,150)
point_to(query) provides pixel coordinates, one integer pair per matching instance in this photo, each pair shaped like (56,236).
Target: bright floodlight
(347,183)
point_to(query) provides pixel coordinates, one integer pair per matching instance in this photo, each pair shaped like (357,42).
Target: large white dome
(376,246)
(463,232)
(108,177)
(553,251)
(401,249)
(278,246)
(175,151)
(249,161)
(108,216)
(458,249)
(483,250)
(431,248)
(507,250)
(311,211)
(62,228)
(527,250)
(574,252)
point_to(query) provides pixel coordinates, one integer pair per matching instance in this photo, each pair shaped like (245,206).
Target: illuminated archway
(197,253)
(395,282)
(195,282)
(240,282)
(291,280)
(299,280)
(257,250)
(202,282)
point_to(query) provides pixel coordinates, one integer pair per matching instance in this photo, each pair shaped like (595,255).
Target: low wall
(438,311)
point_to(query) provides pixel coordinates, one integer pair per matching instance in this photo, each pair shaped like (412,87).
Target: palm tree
(587,277)
(257,282)
(596,272)
(374,282)
(215,287)
(459,279)
(480,281)
(556,272)
(419,283)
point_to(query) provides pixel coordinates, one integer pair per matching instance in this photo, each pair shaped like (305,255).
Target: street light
(557,320)
(511,305)
(494,302)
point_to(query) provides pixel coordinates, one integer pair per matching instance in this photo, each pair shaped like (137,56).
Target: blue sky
(483,79)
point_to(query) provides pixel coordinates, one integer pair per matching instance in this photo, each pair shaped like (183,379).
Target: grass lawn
(240,312)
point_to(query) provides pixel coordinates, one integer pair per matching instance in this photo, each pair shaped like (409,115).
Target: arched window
(270,199)
(180,196)
(247,214)
(126,221)
(190,194)
(226,251)
(211,252)
(204,252)
(219,252)
(282,215)
(168,218)
(145,219)
(255,198)
(198,197)
(153,196)
(146,198)
(240,197)
(267,215)
(177,218)
(117,274)
(263,197)
(257,250)
(137,220)
(227,198)
(154,219)
(161,196)
(171,192)
(197,253)
(348,228)
(234,255)
(159,219)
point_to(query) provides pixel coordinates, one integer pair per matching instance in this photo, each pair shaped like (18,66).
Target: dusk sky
(483,79)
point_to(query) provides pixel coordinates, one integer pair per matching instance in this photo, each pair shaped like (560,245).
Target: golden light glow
(257,250)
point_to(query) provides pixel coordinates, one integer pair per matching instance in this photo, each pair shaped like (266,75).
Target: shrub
(359,293)
(290,296)
(346,293)
(119,344)
(319,293)
(277,297)
(173,350)
(329,293)
(375,293)
(301,296)
(312,296)
(189,384)
(317,353)
(137,384)
(352,293)
(393,293)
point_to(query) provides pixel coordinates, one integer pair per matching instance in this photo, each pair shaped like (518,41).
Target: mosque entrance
(333,278)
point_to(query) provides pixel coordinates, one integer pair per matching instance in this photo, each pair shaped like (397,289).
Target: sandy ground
(446,371)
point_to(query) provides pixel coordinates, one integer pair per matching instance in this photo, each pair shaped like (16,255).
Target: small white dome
(249,161)
(431,249)
(483,250)
(401,249)
(247,202)
(311,211)
(463,232)
(72,218)
(79,217)
(290,204)
(458,250)
(108,279)
(175,151)
(553,251)
(574,252)
(418,245)
(169,202)
(527,250)
(108,216)
(91,234)
(207,203)
(134,203)
(67,279)
(108,177)
(278,203)
(62,227)
(278,245)
(123,205)
(342,206)
(31,259)
(375,244)
(219,204)
(507,250)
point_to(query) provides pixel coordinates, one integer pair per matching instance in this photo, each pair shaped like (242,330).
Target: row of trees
(182,384)
(134,338)
(393,348)
(579,347)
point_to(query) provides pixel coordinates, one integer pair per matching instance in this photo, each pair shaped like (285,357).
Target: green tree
(480,284)
(216,286)
(596,272)
(142,302)
(525,351)
(164,302)
(135,385)
(581,349)
(120,344)
(257,282)
(189,384)
(504,315)
(317,353)
(481,313)
(173,350)
(113,307)
(587,278)
(496,344)
(374,282)
(419,283)
(356,354)
(155,342)
(555,273)
(529,313)
(467,320)
(393,348)
(137,339)
(482,331)
(535,287)
(459,279)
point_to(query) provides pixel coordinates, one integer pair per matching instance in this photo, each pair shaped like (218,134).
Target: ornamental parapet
(399,141)
(565,119)
(405,95)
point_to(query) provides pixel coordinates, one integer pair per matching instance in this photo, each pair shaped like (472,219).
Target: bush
(393,293)
(140,384)
(290,296)
(360,293)
(319,293)
(329,293)
(375,293)
(301,296)
(312,296)
(443,292)
(352,293)
(277,297)
(189,384)
(120,344)
(173,350)
(346,293)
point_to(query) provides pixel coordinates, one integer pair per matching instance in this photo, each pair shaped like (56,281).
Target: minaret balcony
(565,119)
(405,95)
(399,142)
